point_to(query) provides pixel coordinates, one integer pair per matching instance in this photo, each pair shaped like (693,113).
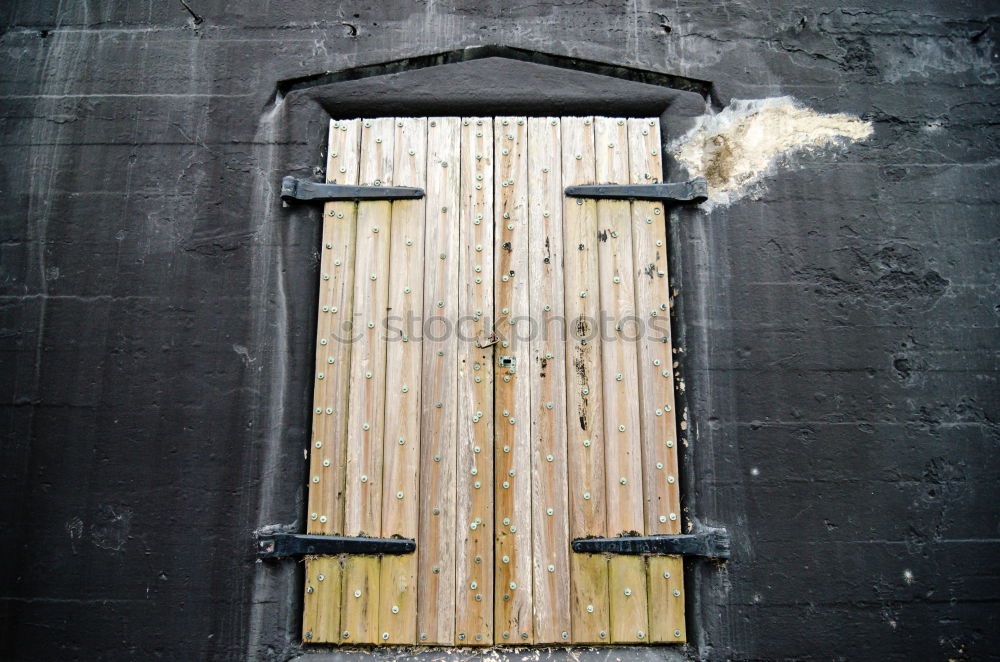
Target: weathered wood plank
(584,405)
(321,614)
(366,410)
(665,582)
(474,550)
(547,372)
(627,588)
(589,605)
(512,397)
(656,389)
(360,600)
(616,283)
(401,450)
(623,452)
(652,295)
(438,426)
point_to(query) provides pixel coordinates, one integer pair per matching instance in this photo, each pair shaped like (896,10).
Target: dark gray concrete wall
(839,333)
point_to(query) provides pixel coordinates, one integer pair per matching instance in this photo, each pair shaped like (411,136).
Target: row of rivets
(478,269)
(507,278)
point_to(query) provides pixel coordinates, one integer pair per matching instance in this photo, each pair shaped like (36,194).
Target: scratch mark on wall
(244,354)
(738,148)
(74,527)
(110,530)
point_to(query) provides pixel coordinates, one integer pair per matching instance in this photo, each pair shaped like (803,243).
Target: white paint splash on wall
(736,149)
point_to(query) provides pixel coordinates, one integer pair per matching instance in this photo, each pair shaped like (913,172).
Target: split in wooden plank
(584,405)
(547,371)
(623,450)
(366,412)
(328,445)
(474,498)
(512,401)
(436,564)
(401,450)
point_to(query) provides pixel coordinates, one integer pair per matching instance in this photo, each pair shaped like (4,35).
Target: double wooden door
(494,378)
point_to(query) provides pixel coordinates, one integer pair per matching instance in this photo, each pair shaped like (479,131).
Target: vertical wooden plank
(512,397)
(584,406)
(666,599)
(474,498)
(401,448)
(652,296)
(366,411)
(547,372)
(656,391)
(627,586)
(321,614)
(436,563)
(623,452)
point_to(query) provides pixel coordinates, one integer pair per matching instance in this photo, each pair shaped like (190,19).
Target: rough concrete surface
(837,328)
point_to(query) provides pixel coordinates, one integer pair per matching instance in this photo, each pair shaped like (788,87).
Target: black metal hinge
(695,190)
(278,545)
(711,543)
(304,190)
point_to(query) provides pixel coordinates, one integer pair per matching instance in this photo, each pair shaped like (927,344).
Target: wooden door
(494,377)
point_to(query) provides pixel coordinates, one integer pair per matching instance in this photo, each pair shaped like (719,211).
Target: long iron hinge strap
(304,190)
(695,190)
(276,545)
(713,544)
